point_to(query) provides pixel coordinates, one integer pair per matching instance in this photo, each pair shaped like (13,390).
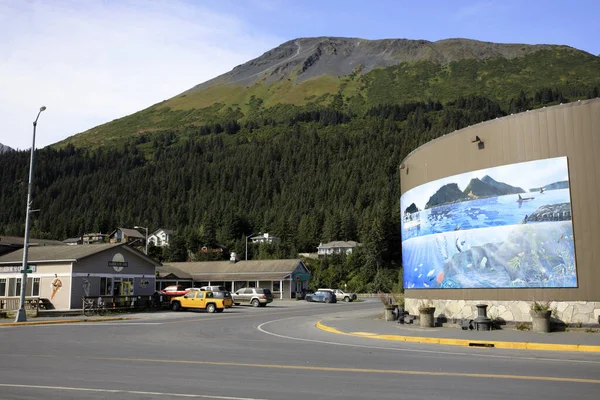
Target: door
(189,300)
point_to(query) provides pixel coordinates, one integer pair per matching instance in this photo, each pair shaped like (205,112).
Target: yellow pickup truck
(199,299)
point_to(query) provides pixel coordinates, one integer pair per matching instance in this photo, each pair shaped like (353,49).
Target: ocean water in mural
(475,231)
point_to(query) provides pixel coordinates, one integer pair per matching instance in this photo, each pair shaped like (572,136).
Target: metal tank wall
(571,130)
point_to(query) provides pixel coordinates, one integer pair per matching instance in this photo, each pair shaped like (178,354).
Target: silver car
(255,296)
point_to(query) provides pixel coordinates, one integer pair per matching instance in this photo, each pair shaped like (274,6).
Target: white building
(336,247)
(160,237)
(264,238)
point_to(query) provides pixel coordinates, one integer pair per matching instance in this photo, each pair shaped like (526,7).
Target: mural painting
(502,227)
(56,285)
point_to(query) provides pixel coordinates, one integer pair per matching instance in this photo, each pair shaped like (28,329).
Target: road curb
(63,321)
(466,342)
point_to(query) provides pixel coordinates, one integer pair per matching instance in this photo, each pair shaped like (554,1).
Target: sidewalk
(58,320)
(373,327)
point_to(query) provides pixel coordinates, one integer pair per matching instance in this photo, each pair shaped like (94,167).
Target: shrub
(522,326)
(540,306)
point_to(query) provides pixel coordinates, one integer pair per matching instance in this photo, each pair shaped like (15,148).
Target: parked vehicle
(214,288)
(255,296)
(341,295)
(322,295)
(220,292)
(175,290)
(226,296)
(198,299)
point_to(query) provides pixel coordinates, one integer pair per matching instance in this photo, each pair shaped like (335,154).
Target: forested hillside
(303,142)
(306,175)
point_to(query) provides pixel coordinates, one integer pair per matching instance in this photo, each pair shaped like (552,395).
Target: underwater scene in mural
(502,227)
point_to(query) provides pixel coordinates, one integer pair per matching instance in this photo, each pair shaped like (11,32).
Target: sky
(93,61)
(539,174)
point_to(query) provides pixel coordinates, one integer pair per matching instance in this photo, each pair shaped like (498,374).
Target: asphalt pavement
(370,325)
(276,352)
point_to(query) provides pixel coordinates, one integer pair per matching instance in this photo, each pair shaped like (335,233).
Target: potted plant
(540,316)
(388,305)
(426,311)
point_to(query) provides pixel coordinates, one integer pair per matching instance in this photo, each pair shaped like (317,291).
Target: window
(276,286)
(2,287)
(29,287)
(251,283)
(36,287)
(11,287)
(18,287)
(105,286)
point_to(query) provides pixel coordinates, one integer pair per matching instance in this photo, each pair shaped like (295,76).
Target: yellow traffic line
(63,321)
(346,369)
(467,343)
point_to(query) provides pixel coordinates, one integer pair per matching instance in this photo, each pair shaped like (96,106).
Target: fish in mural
(431,272)
(440,278)
(560,238)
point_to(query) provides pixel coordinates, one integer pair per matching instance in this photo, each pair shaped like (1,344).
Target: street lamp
(146,229)
(21,314)
(255,233)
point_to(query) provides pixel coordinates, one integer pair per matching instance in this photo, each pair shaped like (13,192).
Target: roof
(72,240)
(41,254)
(338,243)
(167,231)
(264,236)
(226,270)
(132,233)
(16,241)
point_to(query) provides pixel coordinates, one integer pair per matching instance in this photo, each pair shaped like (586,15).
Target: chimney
(233,258)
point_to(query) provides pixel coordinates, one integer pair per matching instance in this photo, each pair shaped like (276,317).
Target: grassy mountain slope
(355,75)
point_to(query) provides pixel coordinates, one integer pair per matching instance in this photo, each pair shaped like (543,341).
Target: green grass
(501,79)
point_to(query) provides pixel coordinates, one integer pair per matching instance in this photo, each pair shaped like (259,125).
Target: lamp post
(146,229)
(255,233)
(21,314)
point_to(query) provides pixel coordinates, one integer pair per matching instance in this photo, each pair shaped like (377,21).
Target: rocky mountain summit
(5,149)
(306,58)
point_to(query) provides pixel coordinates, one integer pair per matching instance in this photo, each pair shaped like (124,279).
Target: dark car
(323,296)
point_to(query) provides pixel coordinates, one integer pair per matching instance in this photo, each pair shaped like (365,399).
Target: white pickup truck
(341,295)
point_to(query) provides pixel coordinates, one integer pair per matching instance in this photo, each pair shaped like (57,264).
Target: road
(270,353)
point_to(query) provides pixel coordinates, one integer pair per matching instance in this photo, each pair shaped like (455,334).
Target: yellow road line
(357,370)
(63,321)
(467,343)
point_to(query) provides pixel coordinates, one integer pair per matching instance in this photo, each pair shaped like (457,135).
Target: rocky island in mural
(492,233)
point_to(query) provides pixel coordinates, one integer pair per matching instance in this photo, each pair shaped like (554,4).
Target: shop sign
(118,262)
(17,269)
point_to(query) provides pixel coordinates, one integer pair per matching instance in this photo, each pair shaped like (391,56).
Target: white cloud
(91,62)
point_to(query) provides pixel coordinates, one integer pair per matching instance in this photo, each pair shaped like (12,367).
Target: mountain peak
(304,58)
(5,149)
